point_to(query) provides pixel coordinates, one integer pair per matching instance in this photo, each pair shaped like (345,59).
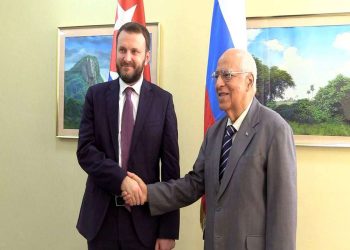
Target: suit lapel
(244,136)
(112,101)
(144,105)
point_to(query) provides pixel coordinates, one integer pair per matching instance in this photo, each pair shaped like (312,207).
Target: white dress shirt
(237,124)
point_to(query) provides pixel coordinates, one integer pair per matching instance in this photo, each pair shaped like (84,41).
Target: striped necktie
(225,149)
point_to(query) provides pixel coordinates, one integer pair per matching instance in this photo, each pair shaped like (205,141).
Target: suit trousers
(117,232)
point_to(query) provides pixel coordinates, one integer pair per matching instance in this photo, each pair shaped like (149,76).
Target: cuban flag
(127,11)
(228,30)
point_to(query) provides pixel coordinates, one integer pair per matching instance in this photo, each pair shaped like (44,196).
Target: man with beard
(127,124)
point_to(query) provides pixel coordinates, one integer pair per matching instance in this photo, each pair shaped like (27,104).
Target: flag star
(124,16)
(113,75)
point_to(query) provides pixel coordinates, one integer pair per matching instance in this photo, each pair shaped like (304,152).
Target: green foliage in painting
(327,113)
(85,73)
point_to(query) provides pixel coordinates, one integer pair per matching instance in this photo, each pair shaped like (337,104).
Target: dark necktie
(225,149)
(127,127)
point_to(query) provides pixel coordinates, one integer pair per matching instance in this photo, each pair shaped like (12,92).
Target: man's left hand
(165,244)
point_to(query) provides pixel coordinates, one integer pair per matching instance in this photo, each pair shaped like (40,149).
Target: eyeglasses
(226,75)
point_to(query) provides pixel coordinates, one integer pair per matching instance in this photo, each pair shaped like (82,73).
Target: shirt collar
(136,86)
(237,124)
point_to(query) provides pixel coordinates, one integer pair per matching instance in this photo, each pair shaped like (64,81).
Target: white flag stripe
(235,18)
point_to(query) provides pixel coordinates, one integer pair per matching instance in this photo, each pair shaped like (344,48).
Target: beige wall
(41,184)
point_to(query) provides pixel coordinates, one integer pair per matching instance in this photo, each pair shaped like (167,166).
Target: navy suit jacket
(155,139)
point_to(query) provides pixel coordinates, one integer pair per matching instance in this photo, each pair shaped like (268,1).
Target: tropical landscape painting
(304,75)
(86,63)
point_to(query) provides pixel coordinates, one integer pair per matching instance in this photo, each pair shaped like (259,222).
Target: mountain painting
(304,75)
(86,63)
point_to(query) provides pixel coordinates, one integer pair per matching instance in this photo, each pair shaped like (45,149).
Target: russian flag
(127,11)
(228,30)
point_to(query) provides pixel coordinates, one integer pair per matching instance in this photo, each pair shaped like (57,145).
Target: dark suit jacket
(155,138)
(254,207)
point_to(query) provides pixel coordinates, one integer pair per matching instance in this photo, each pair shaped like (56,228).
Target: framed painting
(304,74)
(83,60)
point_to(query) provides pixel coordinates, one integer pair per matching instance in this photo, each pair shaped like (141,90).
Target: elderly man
(246,167)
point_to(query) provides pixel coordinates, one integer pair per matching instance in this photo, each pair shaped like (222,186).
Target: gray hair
(249,65)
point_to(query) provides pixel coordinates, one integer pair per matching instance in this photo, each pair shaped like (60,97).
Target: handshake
(134,190)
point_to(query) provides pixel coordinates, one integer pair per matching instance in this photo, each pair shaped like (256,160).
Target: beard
(130,77)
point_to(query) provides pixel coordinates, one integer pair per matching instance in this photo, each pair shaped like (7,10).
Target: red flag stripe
(139,17)
(208,114)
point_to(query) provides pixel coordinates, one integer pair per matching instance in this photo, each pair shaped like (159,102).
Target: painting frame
(94,31)
(306,20)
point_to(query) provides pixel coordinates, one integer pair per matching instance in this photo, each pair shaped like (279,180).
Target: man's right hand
(132,198)
(132,188)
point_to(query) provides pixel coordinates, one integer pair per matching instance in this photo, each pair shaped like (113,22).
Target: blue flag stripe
(220,41)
